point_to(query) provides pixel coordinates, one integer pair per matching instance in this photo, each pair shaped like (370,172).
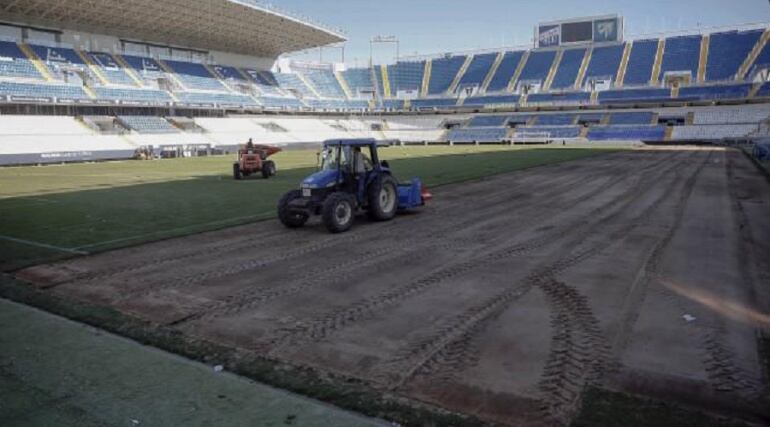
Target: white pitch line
(43,245)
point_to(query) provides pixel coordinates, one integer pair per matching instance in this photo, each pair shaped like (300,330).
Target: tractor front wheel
(237,171)
(338,212)
(268,169)
(383,198)
(289,218)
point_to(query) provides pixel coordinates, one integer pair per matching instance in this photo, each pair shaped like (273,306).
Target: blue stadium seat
(222,99)
(148,124)
(642,133)
(406,76)
(568,70)
(569,98)
(604,64)
(14,63)
(195,76)
(681,54)
(325,83)
(55,58)
(552,131)
(727,51)
(443,72)
(146,68)
(640,63)
(228,73)
(764,91)
(265,81)
(471,135)
(505,71)
(735,91)
(33,90)
(492,100)
(555,119)
(634,95)
(112,71)
(636,118)
(359,81)
(393,104)
(281,103)
(488,121)
(477,70)
(538,65)
(137,95)
(762,61)
(292,82)
(434,103)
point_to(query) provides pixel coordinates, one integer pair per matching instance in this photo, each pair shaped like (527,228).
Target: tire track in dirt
(146,289)
(429,350)
(413,248)
(322,326)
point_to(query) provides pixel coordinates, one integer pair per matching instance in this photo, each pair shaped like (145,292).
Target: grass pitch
(54,212)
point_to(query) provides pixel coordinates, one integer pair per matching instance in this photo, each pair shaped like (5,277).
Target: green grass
(102,206)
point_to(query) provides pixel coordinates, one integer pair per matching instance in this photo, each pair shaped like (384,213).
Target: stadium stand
(146,68)
(634,96)
(640,118)
(215,98)
(715,92)
(604,63)
(194,76)
(132,95)
(555,119)
(637,133)
(359,81)
(488,121)
(553,132)
(682,54)
(58,59)
(110,69)
(640,63)
(570,64)
(42,92)
(711,132)
(433,103)
(473,135)
(477,70)
(537,67)
(325,83)
(727,51)
(294,84)
(14,63)
(492,100)
(406,76)
(567,98)
(443,72)
(505,72)
(147,124)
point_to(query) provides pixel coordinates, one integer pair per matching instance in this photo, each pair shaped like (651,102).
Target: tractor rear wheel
(289,218)
(383,198)
(237,171)
(338,212)
(268,169)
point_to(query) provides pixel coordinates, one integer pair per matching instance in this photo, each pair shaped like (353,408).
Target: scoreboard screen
(602,29)
(576,32)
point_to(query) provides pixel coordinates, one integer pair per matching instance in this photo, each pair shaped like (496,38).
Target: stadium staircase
(655,78)
(584,132)
(492,72)
(343,85)
(704,56)
(219,77)
(307,83)
(426,78)
(605,120)
(456,82)
(675,91)
(758,48)
(32,56)
(385,82)
(517,74)
(655,118)
(690,119)
(755,89)
(584,68)
(623,64)
(553,70)
(93,67)
(594,97)
(669,133)
(128,70)
(171,74)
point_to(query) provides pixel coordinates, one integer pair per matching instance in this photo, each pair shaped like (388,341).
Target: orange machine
(253,159)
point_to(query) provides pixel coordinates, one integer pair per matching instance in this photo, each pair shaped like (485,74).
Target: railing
(292,15)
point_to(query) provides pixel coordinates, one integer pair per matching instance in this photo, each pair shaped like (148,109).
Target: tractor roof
(357,142)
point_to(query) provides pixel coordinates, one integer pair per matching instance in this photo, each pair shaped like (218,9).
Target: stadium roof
(236,26)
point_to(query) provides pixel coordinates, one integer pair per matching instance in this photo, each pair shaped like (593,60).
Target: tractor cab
(350,178)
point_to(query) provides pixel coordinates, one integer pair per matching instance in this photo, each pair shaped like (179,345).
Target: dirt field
(505,298)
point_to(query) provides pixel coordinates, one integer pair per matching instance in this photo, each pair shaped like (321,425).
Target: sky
(435,26)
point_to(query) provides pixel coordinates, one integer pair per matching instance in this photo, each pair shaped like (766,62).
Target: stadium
(573,231)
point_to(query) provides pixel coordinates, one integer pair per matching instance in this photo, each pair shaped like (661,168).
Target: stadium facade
(121,76)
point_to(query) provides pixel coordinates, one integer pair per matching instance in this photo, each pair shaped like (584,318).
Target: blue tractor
(348,182)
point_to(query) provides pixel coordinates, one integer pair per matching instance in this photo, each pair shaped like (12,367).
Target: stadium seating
(194,76)
(33,90)
(325,83)
(443,72)
(640,118)
(146,68)
(537,67)
(711,132)
(568,98)
(643,133)
(488,121)
(640,63)
(136,95)
(681,54)
(727,51)
(406,76)
(359,81)
(57,58)
(634,96)
(433,103)
(565,132)
(148,124)
(568,70)
(110,69)
(13,62)
(604,64)
(221,99)
(731,115)
(227,73)
(505,71)
(764,91)
(695,93)
(477,70)
(393,104)
(555,119)
(294,84)
(472,135)
(492,100)
(271,102)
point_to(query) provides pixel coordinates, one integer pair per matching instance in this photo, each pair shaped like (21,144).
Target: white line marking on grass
(258,217)
(43,245)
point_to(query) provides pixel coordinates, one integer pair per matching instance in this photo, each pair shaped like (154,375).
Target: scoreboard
(600,29)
